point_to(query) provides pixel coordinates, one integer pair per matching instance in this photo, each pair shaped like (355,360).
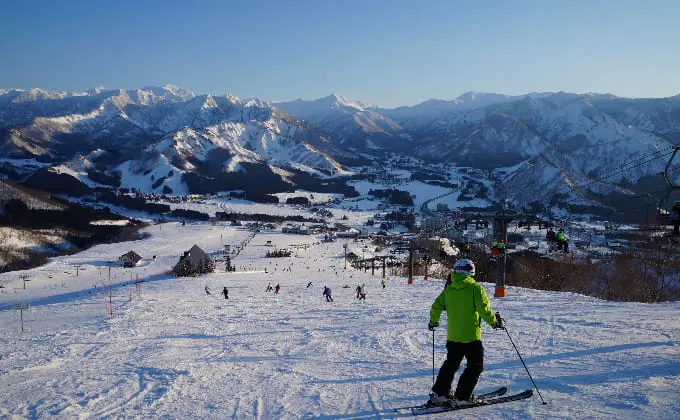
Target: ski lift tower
(670,185)
(665,172)
(501,220)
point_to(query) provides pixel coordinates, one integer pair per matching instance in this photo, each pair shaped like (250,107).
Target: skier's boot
(474,399)
(440,400)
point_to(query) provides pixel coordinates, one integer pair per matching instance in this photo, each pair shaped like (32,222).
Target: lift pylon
(665,172)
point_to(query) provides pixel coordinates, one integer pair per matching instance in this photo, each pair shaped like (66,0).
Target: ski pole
(525,366)
(433,358)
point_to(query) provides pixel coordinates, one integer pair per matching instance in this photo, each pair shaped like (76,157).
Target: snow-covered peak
(472,96)
(433,108)
(37,94)
(201,102)
(336,100)
(156,94)
(256,102)
(96,90)
(209,102)
(596,95)
(303,108)
(470,100)
(429,106)
(180,92)
(232,98)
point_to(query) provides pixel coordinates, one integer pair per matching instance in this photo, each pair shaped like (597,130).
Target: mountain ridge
(207,138)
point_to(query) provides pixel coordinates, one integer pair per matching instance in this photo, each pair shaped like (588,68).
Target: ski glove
(500,322)
(432,325)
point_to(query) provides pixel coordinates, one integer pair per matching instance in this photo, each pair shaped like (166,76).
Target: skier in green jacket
(562,243)
(466,304)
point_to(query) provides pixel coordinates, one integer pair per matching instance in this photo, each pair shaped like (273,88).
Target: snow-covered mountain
(169,139)
(581,138)
(160,138)
(539,143)
(426,112)
(307,108)
(351,123)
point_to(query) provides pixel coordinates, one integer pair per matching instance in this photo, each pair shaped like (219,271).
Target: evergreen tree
(209,265)
(184,268)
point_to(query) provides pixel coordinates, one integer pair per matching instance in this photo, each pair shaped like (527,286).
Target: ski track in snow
(175,352)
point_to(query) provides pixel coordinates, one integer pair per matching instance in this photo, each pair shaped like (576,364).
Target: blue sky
(388,53)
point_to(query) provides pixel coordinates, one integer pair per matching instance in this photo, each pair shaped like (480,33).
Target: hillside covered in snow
(157,140)
(171,350)
(591,151)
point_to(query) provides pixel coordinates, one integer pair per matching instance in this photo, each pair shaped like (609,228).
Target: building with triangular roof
(129,260)
(194,261)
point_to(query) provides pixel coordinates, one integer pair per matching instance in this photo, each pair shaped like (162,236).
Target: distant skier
(550,235)
(358,290)
(465,302)
(327,293)
(276,290)
(362,293)
(309,284)
(551,238)
(225,292)
(269,288)
(466,249)
(562,241)
(495,250)
(382,282)
(207,291)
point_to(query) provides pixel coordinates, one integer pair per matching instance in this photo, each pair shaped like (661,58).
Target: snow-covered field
(174,352)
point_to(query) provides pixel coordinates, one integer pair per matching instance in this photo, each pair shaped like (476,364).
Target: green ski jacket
(466,304)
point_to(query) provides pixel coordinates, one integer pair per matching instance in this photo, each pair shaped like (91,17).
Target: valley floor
(172,351)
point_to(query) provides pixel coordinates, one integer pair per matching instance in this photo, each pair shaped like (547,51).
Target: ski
(493,394)
(499,400)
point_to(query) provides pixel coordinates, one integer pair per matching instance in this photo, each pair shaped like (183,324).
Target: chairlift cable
(639,159)
(618,170)
(666,171)
(667,189)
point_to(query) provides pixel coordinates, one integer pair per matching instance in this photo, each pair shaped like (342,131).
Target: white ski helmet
(464,266)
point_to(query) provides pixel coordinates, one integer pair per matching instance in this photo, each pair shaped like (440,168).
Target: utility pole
(501,228)
(410,263)
(427,262)
(22,307)
(25,278)
(345,247)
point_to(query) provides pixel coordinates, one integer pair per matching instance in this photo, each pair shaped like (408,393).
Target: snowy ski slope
(174,352)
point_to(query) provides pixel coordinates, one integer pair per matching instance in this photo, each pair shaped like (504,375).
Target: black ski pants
(473,353)
(563,245)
